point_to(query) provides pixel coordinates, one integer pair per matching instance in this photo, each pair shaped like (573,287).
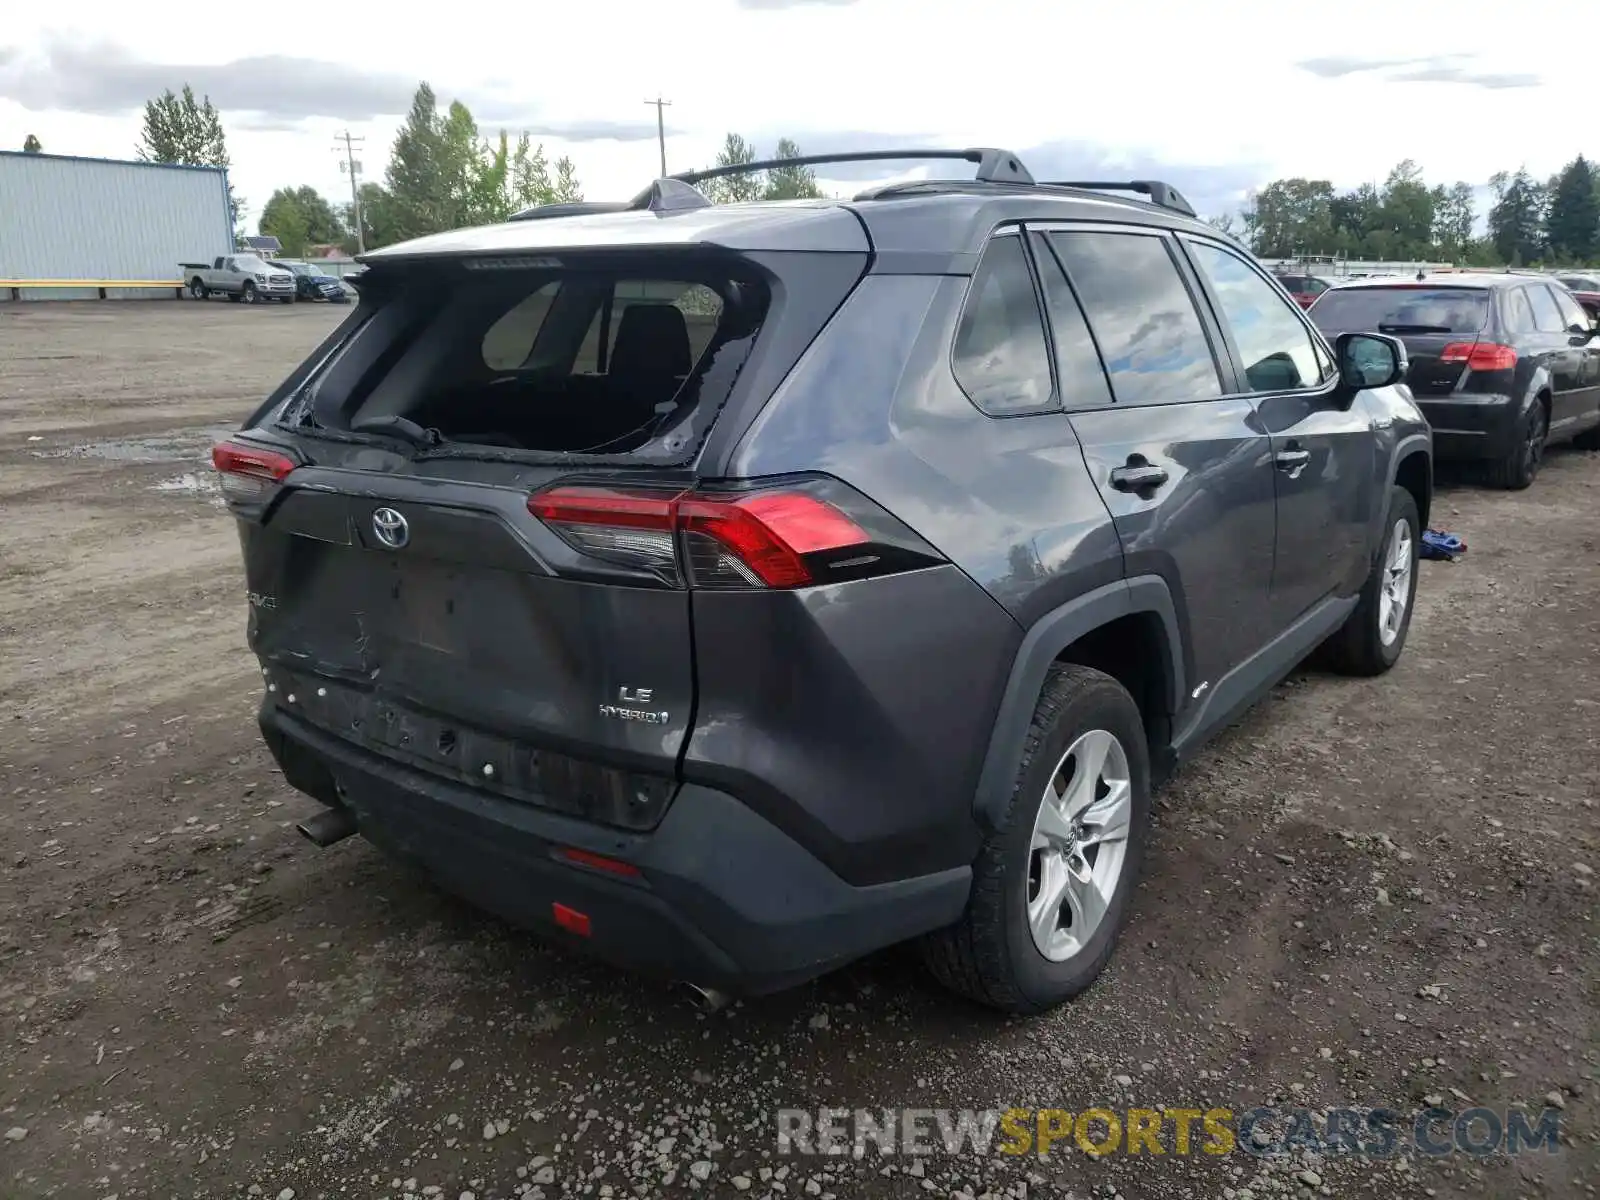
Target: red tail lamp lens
(1480,356)
(755,540)
(249,474)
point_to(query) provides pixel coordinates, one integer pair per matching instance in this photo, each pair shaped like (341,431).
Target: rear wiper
(1414,329)
(399,428)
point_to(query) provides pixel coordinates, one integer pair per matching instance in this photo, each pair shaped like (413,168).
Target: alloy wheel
(1079,845)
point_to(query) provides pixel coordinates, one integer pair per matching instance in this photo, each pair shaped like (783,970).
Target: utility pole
(351,165)
(661,128)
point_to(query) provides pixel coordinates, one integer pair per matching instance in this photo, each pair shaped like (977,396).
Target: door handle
(1140,475)
(1291,461)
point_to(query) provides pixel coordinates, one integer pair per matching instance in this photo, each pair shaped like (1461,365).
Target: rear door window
(1546,316)
(1275,348)
(1081,376)
(1572,314)
(1150,335)
(1519,313)
(1000,357)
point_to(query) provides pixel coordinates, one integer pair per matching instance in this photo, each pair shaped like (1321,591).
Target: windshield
(1579,283)
(1402,310)
(249,262)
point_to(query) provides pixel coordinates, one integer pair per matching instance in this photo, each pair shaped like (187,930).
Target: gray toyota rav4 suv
(735,590)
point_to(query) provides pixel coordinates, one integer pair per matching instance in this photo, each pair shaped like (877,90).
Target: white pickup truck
(241,277)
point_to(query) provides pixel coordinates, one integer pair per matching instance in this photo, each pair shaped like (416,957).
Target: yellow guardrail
(94,283)
(17,286)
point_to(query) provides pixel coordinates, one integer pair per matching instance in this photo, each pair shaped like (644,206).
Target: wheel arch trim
(1041,646)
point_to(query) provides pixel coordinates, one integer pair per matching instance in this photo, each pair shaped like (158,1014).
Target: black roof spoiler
(663,195)
(677,193)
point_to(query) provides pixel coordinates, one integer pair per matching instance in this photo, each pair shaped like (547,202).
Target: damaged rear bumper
(723,898)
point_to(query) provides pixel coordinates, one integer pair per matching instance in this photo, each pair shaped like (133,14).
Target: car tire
(1516,469)
(1373,637)
(997,953)
(198,289)
(248,292)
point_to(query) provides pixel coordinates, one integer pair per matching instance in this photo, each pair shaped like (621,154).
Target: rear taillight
(787,537)
(1480,356)
(249,475)
(631,529)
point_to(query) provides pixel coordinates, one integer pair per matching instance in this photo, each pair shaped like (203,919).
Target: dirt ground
(1372,893)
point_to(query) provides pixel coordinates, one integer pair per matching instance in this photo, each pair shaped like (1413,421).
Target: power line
(661,129)
(352,166)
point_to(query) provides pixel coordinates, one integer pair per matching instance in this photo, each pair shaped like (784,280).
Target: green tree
(790,183)
(1406,212)
(1516,221)
(1227,224)
(417,180)
(1572,225)
(1453,218)
(1355,216)
(304,209)
(32,145)
(443,175)
(567,189)
(377,219)
(735,189)
(182,130)
(1290,217)
(288,224)
(461,160)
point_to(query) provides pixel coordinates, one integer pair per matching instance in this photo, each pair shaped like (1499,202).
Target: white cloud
(1215,98)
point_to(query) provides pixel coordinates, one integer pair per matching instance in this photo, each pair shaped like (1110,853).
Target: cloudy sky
(1215,98)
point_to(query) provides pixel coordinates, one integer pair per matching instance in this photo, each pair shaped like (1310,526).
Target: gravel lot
(1368,893)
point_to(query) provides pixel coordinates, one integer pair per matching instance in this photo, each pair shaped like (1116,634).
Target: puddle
(191,483)
(188,445)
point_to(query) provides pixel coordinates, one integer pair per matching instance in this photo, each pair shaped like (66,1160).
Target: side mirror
(1370,360)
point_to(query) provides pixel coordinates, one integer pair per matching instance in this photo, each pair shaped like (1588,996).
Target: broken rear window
(629,358)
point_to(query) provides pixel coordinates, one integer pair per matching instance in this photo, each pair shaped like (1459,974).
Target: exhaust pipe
(328,826)
(708,1000)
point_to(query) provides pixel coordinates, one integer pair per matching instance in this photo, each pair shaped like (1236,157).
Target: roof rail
(994,166)
(1161,194)
(663,195)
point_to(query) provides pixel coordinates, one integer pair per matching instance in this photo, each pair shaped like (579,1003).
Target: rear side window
(1400,310)
(509,342)
(1000,358)
(1519,313)
(1572,314)
(1546,316)
(1150,335)
(1081,377)
(1275,348)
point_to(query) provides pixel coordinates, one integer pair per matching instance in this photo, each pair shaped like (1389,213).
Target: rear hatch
(1439,325)
(426,575)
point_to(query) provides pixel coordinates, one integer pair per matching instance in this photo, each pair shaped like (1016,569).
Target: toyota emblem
(391,528)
